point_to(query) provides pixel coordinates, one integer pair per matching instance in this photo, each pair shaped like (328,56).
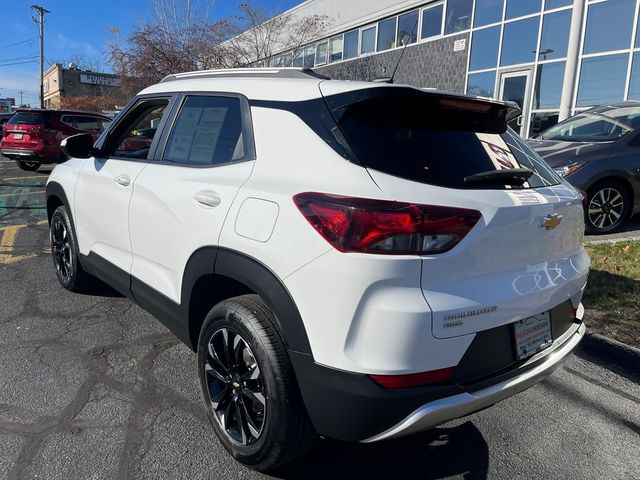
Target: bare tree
(256,35)
(180,37)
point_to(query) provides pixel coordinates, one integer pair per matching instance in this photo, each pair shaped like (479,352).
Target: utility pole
(40,11)
(20,92)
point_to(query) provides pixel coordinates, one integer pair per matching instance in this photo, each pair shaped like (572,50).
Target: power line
(25,57)
(17,43)
(17,63)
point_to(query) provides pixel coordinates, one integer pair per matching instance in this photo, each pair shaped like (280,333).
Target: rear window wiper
(513,176)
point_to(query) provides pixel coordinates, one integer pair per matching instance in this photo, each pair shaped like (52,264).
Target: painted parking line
(21,193)
(8,242)
(32,177)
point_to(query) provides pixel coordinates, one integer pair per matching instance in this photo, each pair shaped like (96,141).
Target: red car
(32,136)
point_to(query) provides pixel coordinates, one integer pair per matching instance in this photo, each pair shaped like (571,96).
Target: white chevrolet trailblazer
(355,260)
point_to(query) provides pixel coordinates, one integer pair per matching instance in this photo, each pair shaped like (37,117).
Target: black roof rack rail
(265,72)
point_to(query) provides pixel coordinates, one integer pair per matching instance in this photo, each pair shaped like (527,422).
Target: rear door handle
(123,180)
(208,198)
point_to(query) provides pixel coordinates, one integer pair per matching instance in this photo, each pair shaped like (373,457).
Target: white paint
(257,219)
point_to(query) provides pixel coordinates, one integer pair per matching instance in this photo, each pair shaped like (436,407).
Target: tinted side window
(207,131)
(89,124)
(134,134)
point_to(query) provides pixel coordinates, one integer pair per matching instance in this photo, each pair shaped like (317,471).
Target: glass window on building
(551,4)
(609,25)
(407,28)
(432,21)
(602,80)
(520,41)
(335,49)
(634,86)
(458,16)
(487,12)
(321,53)
(310,56)
(387,34)
(555,35)
(548,88)
(351,44)
(540,121)
(368,40)
(484,48)
(482,84)
(520,8)
(298,59)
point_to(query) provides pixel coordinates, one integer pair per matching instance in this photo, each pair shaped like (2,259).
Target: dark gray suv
(598,151)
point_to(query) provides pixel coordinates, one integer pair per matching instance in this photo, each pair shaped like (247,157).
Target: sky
(75,28)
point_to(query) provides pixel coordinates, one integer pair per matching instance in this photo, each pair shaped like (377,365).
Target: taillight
(385,227)
(414,379)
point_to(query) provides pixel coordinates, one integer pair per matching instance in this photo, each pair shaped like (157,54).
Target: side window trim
(133,104)
(247,128)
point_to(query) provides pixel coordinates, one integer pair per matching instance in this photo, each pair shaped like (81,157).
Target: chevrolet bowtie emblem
(552,221)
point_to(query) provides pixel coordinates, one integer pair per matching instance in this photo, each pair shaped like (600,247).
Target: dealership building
(552,57)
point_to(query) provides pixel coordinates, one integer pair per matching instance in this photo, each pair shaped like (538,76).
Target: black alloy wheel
(235,387)
(61,249)
(28,166)
(249,388)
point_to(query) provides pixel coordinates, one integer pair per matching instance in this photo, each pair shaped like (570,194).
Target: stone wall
(431,64)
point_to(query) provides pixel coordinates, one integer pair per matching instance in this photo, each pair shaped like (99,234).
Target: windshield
(414,136)
(597,125)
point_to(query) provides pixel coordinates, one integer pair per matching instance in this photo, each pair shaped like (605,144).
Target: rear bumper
(19,154)
(46,154)
(351,407)
(440,411)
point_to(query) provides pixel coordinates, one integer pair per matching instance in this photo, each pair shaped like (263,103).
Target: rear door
(105,185)
(180,203)
(525,256)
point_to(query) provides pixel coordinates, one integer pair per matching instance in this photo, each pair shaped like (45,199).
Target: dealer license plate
(532,335)
(17,136)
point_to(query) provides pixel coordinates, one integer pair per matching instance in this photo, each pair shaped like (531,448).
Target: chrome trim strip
(445,409)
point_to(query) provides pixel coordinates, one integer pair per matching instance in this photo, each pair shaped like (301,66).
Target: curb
(622,355)
(612,241)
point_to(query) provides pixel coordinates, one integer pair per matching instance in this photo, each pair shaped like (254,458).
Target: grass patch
(612,296)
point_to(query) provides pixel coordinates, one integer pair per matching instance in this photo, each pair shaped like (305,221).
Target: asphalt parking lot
(93,387)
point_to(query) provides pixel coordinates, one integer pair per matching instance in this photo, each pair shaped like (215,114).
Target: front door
(514,87)
(105,184)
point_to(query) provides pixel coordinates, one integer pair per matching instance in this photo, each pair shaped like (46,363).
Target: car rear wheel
(64,250)
(608,206)
(28,166)
(249,388)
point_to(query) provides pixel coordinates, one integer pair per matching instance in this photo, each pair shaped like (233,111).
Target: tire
(608,207)
(64,250)
(261,388)
(28,166)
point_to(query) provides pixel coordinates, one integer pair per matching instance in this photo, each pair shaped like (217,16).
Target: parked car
(598,151)
(4,118)
(355,260)
(32,136)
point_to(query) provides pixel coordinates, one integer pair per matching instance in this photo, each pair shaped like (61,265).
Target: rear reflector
(413,379)
(385,227)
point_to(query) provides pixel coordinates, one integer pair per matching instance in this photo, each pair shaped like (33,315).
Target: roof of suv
(279,84)
(58,110)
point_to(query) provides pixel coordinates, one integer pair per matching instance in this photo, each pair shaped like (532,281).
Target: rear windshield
(29,118)
(413,136)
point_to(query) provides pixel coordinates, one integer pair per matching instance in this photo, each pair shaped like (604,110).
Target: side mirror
(78,146)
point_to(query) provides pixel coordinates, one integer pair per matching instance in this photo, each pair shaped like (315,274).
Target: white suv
(355,260)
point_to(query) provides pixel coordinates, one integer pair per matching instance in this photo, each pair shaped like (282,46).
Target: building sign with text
(100,80)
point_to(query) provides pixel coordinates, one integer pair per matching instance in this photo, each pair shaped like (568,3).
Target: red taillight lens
(413,379)
(384,227)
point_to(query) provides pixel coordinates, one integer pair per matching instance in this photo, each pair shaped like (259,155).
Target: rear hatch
(26,130)
(525,255)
